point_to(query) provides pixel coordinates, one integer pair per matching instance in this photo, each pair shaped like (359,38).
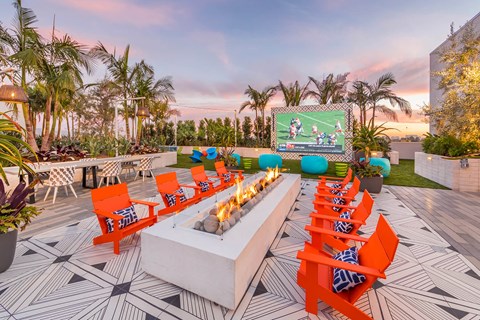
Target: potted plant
(370,137)
(226,155)
(370,177)
(14,215)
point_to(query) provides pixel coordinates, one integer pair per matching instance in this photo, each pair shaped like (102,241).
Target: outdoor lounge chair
(344,198)
(205,182)
(327,217)
(168,187)
(223,172)
(316,272)
(110,203)
(327,182)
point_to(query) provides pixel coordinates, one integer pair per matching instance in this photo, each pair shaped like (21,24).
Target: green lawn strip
(401,175)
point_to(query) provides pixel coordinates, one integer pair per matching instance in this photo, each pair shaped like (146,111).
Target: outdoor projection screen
(322,129)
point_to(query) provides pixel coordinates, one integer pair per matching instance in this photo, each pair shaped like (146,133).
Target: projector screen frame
(346,156)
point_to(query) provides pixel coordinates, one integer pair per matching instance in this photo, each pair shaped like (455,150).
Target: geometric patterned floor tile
(61,275)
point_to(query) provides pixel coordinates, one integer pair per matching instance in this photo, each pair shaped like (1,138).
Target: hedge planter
(8,244)
(372,184)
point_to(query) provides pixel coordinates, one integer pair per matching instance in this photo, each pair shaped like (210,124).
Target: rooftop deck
(59,274)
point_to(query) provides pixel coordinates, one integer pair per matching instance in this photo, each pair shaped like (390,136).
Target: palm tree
(144,85)
(359,96)
(122,75)
(21,46)
(381,90)
(258,102)
(61,71)
(332,89)
(293,94)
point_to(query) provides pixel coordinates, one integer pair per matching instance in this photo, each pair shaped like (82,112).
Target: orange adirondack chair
(199,175)
(222,171)
(326,196)
(322,183)
(167,183)
(109,199)
(316,270)
(327,217)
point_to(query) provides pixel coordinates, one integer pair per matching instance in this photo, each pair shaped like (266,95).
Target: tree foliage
(460,82)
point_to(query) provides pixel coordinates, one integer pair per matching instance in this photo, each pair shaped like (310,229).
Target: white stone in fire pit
(203,263)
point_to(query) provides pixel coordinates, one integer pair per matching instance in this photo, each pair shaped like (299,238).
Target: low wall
(406,150)
(448,172)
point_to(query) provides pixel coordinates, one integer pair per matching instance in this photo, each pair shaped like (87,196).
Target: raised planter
(448,172)
(8,243)
(372,184)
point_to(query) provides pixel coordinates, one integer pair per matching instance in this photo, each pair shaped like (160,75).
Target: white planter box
(448,172)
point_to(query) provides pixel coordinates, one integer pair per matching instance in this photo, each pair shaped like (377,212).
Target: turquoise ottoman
(314,164)
(382,162)
(237,156)
(269,161)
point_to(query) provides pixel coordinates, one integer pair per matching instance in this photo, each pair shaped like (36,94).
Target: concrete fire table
(219,268)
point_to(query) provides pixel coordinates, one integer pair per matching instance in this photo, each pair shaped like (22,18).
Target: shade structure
(11,93)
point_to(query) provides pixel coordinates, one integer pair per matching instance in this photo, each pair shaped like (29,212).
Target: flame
(241,194)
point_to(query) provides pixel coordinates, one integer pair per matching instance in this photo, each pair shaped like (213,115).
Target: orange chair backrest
(198,174)
(377,253)
(167,183)
(352,192)
(364,208)
(111,198)
(220,168)
(348,177)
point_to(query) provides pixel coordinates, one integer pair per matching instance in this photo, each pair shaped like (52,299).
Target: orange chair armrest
(319,259)
(107,214)
(215,177)
(235,170)
(189,186)
(318,230)
(147,203)
(332,218)
(330,178)
(329,204)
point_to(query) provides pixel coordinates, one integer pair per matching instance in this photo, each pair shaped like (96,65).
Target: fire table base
(214,267)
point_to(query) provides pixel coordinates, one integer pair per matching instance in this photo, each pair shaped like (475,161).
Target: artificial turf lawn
(401,175)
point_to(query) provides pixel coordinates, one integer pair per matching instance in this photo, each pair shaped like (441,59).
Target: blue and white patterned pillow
(335,186)
(344,279)
(343,226)
(226,177)
(172,199)
(338,201)
(129,217)
(204,186)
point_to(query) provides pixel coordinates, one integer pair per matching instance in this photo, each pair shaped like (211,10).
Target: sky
(214,49)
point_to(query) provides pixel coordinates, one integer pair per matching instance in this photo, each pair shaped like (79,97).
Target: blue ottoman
(236,156)
(211,153)
(269,161)
(314,164)
(382,162)
(196,157)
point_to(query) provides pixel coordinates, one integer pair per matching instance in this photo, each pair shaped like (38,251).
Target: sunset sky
(214,49)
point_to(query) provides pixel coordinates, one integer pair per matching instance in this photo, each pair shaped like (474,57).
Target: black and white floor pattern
(61,275)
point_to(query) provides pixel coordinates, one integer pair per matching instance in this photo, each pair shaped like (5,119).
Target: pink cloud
(214,42)
(126,12)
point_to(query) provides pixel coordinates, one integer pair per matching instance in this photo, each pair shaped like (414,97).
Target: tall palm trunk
(51,136)
(46,119)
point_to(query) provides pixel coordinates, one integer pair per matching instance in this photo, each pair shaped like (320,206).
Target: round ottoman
(269,161)
(236,156)
(382,162)
(314,164)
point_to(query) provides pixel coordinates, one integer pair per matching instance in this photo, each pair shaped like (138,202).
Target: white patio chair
(145,166)
(111,169)
(60,176)
(128,166)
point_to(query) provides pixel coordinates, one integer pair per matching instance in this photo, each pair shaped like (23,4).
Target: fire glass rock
(219,231)
(197,225)
(213,211)
(226,225)
(258,187)
(232,221)
(259,197)
(244,211)
(211,224)
(237,215)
